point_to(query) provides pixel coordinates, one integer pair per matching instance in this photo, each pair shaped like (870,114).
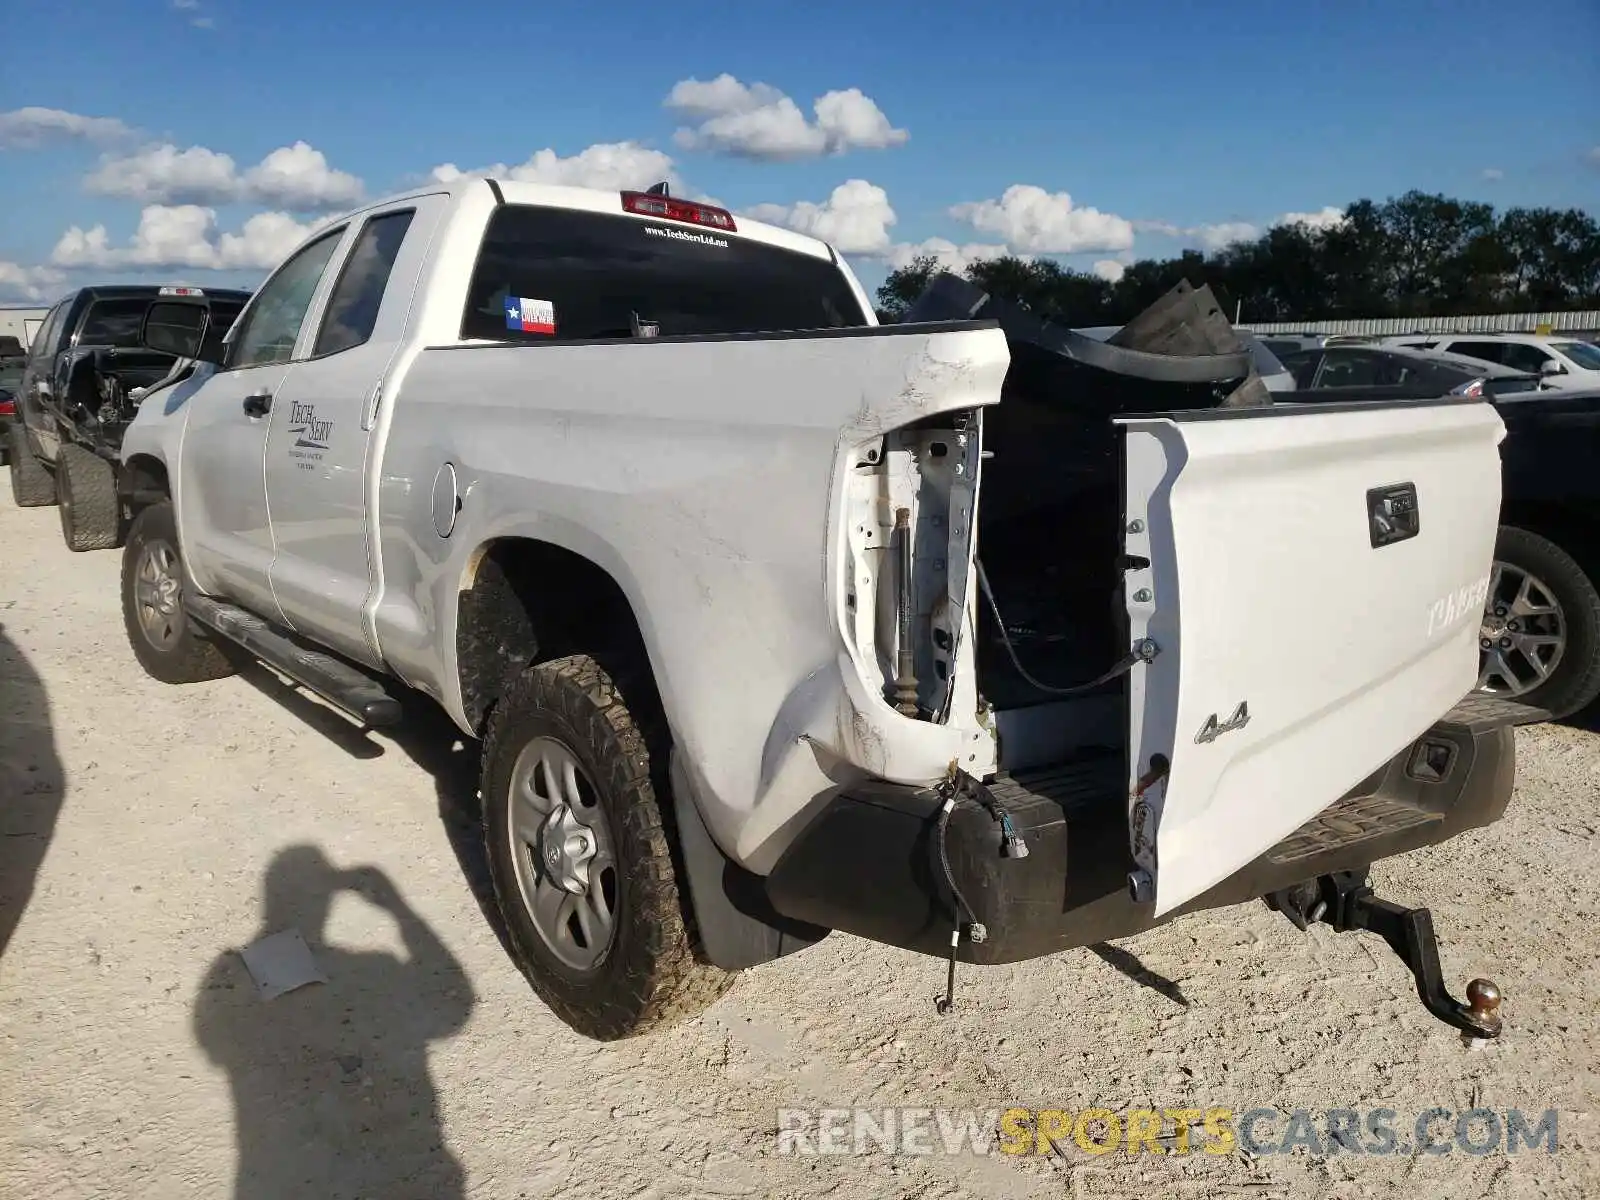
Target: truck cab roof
(606,200)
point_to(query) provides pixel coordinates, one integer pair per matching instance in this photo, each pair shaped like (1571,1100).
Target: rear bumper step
(868,864)
(336,681)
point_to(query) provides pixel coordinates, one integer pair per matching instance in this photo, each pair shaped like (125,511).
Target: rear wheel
(86,493)
(1539,642)
(165,640)
(31,483)
(582,866)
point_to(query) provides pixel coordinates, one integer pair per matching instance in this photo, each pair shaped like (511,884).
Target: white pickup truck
(713,564)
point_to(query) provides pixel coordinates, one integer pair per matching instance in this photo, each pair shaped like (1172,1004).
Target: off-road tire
(86,494)
(193,657)
(652,975)
(1575,682)
(32,485)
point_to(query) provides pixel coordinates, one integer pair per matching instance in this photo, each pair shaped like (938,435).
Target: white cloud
(1493,174)
(1223,233)
(165,174)
(1040,222)
(609,166)
(185,235)
(855,218)
(758,121)
(1593,156)
(27,127)
(298,177)
(192,9)
(295,177)
(1213,236)
(1110,269)
(1329,217)
(1164,228)
(29,283)
(951,256)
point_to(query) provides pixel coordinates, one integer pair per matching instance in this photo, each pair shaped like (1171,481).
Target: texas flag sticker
(530,316)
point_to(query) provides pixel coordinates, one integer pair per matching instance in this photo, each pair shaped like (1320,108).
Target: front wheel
(1539,642)
(582,867)
(164,638)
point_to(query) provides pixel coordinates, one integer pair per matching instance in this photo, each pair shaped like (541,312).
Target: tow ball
(1346,902)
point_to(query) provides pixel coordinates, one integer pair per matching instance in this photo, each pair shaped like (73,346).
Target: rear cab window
(116,321)
(113,322)
(552,274)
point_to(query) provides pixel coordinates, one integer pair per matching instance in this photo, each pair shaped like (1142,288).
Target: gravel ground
(150,831)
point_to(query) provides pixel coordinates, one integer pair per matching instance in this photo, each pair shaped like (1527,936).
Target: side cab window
(268,329)
(1523,356)
(1487,351)
(352,310)
(44,342)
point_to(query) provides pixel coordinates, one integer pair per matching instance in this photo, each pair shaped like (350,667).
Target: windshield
(1585,354)
(570,275)
(11,373)
(1266,362)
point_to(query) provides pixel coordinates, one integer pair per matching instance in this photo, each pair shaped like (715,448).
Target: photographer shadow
(32,784)
(332,1094)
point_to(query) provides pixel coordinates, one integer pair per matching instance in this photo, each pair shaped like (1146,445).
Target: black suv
(73,402)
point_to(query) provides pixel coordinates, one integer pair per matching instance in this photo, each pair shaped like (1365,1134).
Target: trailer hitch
(1345,901)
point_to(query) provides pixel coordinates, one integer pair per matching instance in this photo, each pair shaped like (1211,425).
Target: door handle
(258,405)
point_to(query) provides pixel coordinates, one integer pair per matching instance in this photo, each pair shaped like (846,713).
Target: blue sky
(1097,133)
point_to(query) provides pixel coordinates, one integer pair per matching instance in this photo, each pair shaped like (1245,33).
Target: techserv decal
(310,433)
(683,235)
(530,316)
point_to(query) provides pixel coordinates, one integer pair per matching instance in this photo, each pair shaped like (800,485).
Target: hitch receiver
(1345,901)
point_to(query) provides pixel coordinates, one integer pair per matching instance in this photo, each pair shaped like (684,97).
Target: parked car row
(1540,638)
(1561,362)
(1558,361)
(644,497)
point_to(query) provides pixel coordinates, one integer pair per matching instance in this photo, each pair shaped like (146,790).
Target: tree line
(1416,255)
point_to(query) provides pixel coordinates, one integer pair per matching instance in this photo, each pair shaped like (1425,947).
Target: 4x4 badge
(1213,729)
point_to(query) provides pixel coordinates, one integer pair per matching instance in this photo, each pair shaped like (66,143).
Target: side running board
(335,680)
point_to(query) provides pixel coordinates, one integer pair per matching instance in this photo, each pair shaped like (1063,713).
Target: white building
(21,321)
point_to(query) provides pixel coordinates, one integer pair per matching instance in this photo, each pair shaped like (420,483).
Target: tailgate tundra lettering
(1453,607)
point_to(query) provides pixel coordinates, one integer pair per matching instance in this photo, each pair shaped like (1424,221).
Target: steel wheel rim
(158,594)
(562,850)
(1523,635)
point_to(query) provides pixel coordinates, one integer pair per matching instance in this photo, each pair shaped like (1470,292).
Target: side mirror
(182,329)
(1551,367)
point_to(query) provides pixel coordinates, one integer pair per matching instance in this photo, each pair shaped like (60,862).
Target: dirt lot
(150,831)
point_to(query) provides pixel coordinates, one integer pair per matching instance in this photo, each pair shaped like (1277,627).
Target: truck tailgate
(1315,581)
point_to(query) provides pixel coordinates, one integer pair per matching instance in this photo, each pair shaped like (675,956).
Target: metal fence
(1583,323)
